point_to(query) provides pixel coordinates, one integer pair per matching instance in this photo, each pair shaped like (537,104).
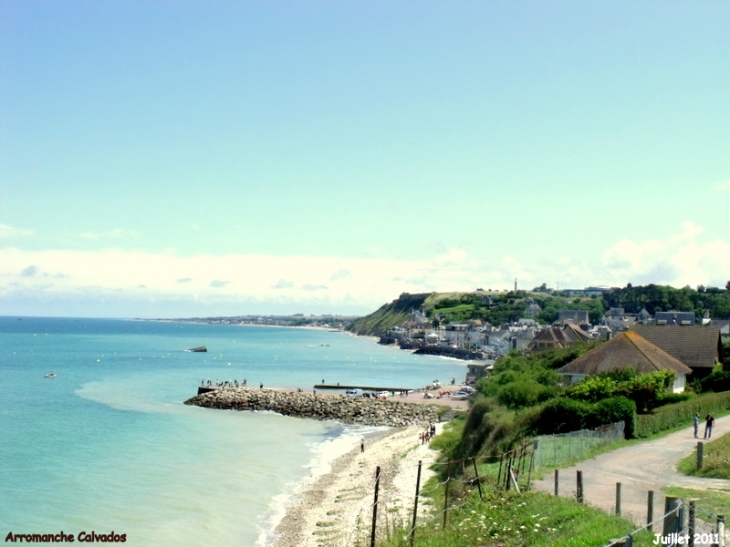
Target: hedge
(562,415)
(669,417)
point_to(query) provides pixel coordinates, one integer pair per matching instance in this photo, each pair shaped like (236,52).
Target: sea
(107,445)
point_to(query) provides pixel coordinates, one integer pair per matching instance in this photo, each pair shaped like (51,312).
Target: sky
(197,158)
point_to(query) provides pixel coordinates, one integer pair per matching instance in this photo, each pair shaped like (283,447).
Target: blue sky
(189,158)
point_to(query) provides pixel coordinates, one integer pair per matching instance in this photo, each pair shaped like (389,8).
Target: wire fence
(562,448)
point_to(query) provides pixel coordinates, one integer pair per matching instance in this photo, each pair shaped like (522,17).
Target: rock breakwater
(349,410)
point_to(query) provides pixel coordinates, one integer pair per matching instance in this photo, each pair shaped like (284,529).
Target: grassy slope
(715,461)
(509,519)
(388,315)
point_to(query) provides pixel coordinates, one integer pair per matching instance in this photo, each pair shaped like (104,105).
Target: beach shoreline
(335,508)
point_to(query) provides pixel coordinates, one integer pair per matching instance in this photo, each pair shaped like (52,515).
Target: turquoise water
(107,445)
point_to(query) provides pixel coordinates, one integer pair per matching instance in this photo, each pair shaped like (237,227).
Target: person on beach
(697,423)
(362,445)
(709,422)
(261,385)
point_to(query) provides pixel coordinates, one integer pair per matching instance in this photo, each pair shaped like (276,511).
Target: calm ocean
(107,445)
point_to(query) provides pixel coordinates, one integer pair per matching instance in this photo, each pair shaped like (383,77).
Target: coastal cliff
(349,410)
(388,315)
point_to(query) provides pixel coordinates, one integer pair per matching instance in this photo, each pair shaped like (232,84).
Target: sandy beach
(336,509)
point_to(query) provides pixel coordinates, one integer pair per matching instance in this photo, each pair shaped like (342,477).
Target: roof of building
(627,350)
(695,346)
(562,336)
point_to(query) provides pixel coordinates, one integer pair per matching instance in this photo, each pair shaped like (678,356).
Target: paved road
(646,466)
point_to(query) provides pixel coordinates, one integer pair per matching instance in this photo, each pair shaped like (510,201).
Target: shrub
(717,381)
(528,392)
(562,415)
(615,409)
(593,389)
(673,398)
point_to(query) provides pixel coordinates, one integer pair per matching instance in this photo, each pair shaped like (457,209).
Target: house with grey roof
(558,338)
(675,318)
(700,348)
(577,316)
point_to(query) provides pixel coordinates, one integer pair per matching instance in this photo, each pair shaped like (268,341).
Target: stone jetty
(349,410)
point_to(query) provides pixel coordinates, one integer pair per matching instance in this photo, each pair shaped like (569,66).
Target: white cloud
(687,257)
(342,273)
(310,288)
(11,232)
(453,257)
(116,233)
(680,259)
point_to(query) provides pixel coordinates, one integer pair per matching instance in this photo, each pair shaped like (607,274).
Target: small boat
(50,375)
(199,349)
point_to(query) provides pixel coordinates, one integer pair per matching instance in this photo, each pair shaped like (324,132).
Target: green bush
(592,389)
(561,415)
(673,398)
(717,381)
(520,394)
(615,409)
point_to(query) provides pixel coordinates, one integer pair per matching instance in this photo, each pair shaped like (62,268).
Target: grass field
(509,519)
(715,463)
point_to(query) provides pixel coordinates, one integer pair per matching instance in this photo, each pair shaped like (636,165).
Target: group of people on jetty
(227,383)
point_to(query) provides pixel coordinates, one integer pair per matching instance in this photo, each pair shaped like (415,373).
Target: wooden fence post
(618,499)
(375,506)
(721,530)
(700,454)
(499,473)
(579,486)
(671,519)
(476,474)
(446,495)
(650,510)
(556,482)
(415,504)
(691,523)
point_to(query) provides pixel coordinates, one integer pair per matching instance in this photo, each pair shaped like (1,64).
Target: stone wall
(350,410)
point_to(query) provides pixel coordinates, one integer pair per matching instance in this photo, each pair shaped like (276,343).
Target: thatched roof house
(700,348)
(627,350)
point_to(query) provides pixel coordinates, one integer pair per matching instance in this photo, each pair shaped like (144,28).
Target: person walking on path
(362,445)
(709,422)
(697,423)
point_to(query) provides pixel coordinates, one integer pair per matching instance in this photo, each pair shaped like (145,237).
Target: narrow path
(650,465)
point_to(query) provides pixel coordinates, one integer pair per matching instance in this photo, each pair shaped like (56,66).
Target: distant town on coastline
(483,325)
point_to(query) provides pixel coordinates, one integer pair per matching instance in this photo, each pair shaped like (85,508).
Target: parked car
(460,395)
(384,394)
(353,392)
